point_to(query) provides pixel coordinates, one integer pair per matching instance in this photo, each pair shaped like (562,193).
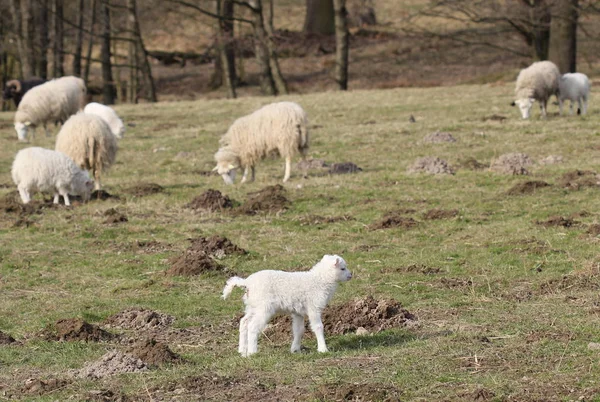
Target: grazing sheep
(298,293)
(109,115)
(538,82)
(45,170)
(88,140)
(54,101)
(15,89)
(275,128)
(574,87)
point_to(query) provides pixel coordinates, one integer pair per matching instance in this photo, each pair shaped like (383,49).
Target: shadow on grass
(382,339)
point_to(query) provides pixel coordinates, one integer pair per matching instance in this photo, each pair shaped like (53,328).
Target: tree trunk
(563,35)
(43,40)
(319,17)
(280,83)
(21,13)
(78,41)
(227,48)
(267,83)
(59,57)
(142,54)
(539,19)
(88,57)
(341,44)
(132,58)
(108,85)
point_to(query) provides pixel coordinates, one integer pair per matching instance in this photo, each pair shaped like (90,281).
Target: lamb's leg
(25,197)
(288,168)
(65,195)
(585,105)
(243,347)
(580,104)
(571,109)
(255,326)
(56,198)
(316,325)
(298,331)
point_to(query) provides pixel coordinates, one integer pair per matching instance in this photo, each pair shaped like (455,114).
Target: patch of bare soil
(150,247)
(551,160)
(210,200)
(515,163)
(194,262)
(270,199)
(532,245)
(394,220)
(75,329)
(357,392)
(144,189)
(471,163)
(438,137)
(35,386)
(431,165)
(114,216)
(527,187)
(593,229)
(456,283)
(139,319)
(111,363)
(558,221)
(6,339)
(494,117)
(419,268)
(344,168)
(434,214)
(579,179)
(105,395)
(153,353)
(216,246)
(318,220)
(581,281)
(103,195)
(11,204)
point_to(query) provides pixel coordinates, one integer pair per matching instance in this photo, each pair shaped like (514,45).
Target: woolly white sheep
(275,128)
(109,115)
(45,170)
(54,101)
(88,140)
(538,82)
(576,88)
(297,293)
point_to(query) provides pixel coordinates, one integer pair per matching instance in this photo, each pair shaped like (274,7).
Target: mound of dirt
(216,246)
(140,319)
(579,179)
(210,200)
(6,339)
(35,386)
(105,395)
(393,221)
(471,163)
(558,221)
(143,189)
(103,195)
(433,214)
(270,199)
(551,160)
(431,165)
(75,329)
(527,187)
(592,229)
(11,204)
(111,363)
(318,220)
(153,353)
(513,163)
(438,137)
(193,262)
(114,216)
(344,168)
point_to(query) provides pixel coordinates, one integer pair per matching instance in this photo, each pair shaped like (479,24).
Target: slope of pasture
(506,307)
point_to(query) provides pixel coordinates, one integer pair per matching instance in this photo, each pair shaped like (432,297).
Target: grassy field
(506,307)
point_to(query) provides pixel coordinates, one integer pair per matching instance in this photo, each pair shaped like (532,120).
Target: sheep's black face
(9,92)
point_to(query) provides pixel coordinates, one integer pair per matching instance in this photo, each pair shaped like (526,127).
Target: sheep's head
(333,267)
(82,185)
(524,106)
(227,163)
(13,87)
(21,129)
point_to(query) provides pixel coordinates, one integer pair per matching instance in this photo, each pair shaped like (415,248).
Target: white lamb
(45,170)
(275,128)
(52,102)
(576,88)
(88,140)
(538,82)
(109,115)
(297,293)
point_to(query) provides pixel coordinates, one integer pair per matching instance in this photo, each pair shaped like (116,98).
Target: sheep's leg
(56,198)
(25,197)
(255,326)
(65,195)
(560,106)
(252,168)
(243,346)
(97,184)
(543,108)
(46,131)
(298,331)
(585,105)
(245,176)
(580,104)
(571,109)
(288,168)
(316,325)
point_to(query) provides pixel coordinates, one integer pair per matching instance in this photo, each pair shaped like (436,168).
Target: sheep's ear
(230,167)
(215,168)
(338,262)
(513,103)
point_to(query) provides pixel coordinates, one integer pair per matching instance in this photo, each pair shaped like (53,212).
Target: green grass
(509,314)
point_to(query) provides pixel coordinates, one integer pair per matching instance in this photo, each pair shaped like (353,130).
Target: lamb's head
(227,163)
(82,185)
(333,268)
(524,105)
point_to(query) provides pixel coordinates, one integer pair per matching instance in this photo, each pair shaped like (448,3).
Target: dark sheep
(15,89)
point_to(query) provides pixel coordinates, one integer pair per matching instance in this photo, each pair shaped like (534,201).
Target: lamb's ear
(338,262)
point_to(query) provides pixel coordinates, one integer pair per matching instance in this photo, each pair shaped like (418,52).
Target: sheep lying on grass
(109,115)
(538,82)
(52,102)
(576,88)
(278,127)
(298,293)
(88,140)
(39,169)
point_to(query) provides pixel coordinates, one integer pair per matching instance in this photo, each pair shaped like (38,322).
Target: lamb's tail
(231,283)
